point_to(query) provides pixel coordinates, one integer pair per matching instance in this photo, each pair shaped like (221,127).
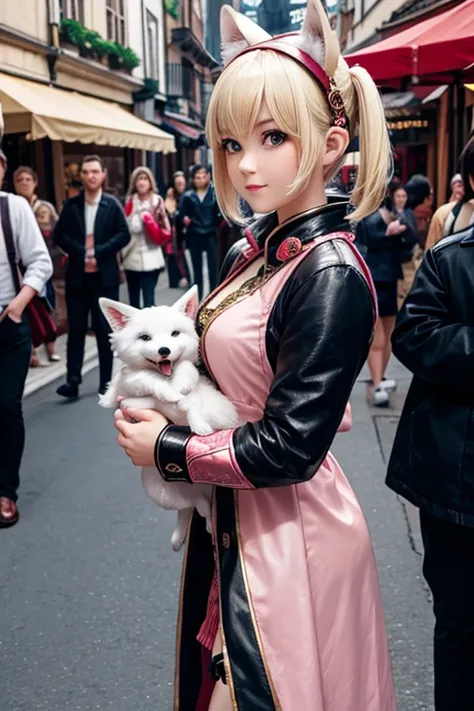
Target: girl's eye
(175,334)
(274,138)
(231,146)
(144,337)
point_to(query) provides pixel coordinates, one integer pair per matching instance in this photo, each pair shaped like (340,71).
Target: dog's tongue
(165,367)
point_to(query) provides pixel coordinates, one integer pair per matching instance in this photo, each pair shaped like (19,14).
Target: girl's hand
(186,221)
(138,439)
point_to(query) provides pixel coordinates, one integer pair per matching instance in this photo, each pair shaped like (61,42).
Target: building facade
(275,16)
(189,83)
(69,81)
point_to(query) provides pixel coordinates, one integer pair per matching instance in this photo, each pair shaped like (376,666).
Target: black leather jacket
(432,461)
(316,354)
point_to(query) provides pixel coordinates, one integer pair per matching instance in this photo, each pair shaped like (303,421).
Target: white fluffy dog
(158,347)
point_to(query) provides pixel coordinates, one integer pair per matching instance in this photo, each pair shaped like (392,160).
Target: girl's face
(143,184)
(43,217)
(262,166)
(400,199)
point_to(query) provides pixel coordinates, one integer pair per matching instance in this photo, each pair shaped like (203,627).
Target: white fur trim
(229,50)
(314,46)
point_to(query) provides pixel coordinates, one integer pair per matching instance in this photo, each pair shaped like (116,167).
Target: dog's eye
(144,337)
(175,334)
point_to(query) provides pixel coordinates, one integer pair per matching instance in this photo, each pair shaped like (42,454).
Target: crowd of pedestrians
(54,269)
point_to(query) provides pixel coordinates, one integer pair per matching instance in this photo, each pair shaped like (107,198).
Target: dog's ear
(188,303)
(117,314)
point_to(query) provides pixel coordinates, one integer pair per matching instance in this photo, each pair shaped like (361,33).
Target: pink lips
(254,188)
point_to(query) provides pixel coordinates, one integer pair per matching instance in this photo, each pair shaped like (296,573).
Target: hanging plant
(92,44)
(172,8)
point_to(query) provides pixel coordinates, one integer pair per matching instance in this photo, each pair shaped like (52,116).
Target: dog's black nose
(164,352)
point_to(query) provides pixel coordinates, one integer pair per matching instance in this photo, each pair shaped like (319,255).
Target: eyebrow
(261,123)
(264,121)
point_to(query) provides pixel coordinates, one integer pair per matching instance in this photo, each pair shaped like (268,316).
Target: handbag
(38,311)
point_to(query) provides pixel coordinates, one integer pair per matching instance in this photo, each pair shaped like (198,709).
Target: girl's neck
(145,197)
(307,200)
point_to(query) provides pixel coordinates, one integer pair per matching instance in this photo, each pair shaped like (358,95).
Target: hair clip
(336,104)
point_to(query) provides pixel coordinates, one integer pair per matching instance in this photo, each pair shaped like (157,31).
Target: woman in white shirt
(150,229)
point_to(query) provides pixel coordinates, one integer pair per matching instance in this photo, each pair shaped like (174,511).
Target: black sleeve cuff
(170,453)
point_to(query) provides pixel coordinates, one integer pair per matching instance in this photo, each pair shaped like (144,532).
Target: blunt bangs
(293,99)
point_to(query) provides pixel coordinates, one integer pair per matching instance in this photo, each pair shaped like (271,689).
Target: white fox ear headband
(316,48)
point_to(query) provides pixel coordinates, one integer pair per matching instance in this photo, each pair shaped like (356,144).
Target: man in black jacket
(432,461)
(199,214)
(92,230)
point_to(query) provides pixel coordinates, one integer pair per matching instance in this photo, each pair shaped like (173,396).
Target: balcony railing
(180,81)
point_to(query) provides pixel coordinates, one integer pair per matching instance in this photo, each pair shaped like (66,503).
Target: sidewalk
(385,423)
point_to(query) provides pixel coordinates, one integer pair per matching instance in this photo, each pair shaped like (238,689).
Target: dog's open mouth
(165,367)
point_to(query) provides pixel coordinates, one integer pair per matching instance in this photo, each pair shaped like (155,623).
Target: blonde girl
(282,605)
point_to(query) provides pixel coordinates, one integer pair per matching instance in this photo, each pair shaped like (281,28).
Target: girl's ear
(238,32)
(318,39)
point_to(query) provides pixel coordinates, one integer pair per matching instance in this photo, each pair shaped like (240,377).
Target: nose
(164,351)
(247,164)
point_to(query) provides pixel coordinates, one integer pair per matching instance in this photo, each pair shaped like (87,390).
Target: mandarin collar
(267,234)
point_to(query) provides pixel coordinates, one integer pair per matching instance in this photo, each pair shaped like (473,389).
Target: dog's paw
(106,400)
(177,541)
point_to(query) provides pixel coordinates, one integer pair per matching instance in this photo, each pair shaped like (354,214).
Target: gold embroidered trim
(245,289)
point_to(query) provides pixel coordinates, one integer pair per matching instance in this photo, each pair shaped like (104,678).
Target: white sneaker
(380,397)
(388,384)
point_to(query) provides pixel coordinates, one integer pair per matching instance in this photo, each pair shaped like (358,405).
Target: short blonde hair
(299,108)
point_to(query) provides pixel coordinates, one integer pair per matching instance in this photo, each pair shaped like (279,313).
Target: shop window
(72,10)
(152,40)
(115,10)
(188,80)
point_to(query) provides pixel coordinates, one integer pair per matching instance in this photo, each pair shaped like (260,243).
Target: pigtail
(376,162)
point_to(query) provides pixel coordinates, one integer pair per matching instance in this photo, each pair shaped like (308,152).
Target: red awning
(183,128)
(442,44)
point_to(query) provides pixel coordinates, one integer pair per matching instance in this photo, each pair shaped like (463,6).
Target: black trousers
(141,283)
(80,301)
(178,269)
(15,352)
(197,244)
(448,568)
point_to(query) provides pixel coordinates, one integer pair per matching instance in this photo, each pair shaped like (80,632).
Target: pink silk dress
(305,549)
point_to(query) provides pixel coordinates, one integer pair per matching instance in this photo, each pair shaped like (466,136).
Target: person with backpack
(20,242)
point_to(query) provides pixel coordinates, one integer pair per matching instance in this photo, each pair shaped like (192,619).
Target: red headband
(283,45)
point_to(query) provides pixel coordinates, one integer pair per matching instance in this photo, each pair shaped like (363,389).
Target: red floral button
(289,248)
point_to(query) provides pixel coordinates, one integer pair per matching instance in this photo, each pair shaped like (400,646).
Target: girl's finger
(123,427)
(140,415)
(123,442)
